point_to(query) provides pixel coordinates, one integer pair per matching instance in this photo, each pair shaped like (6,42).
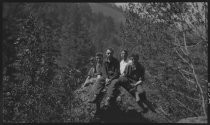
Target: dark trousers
(98,86)
(127,84)
(97,90)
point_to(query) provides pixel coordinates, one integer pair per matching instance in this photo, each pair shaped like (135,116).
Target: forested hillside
(172,41)
(109,10)
(47,46)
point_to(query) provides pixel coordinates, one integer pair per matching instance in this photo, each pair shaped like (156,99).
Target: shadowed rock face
(115,114)
(200,119)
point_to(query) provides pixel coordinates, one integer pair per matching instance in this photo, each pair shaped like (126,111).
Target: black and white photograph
(103,62)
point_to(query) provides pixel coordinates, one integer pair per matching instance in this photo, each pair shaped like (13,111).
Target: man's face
(133,60)
(124,55)
(98,59)
(109,54)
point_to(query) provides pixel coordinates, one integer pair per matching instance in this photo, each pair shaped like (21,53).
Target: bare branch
(183,95)
(194,74)
(179,45)
(188,46)
(161,109)
(201,90)
(181,57)
(187,72)
(186,96)
(186,77)
(185,53)
(195,44)
(162,112)
(186,107)
(205,80)
(185,43)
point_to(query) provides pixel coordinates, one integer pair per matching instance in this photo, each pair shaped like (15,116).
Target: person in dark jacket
(111,75)
(107,75)
(134,77)
(112,67)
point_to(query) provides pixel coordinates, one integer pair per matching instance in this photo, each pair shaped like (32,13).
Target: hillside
(47,51)
(108,10)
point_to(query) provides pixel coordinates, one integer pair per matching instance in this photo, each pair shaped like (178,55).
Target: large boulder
(125,110)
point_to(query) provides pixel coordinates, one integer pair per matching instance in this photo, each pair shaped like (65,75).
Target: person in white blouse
(125,60)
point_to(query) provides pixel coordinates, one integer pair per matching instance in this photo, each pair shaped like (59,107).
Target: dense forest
(47,46)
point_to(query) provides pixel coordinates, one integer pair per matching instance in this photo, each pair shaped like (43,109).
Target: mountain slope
(108,10)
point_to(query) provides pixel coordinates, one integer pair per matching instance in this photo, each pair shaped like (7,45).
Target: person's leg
(139,90)
(97,115)
(112,92)
(98,110)
(144,100)
(125,83)
(93,80)
(97,88)
(113,89)
(136,94)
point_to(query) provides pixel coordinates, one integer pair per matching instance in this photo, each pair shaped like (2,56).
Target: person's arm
(90,72)
(141,78)
(127,70)
(104,70)
(138,82)
(98,71)
(122,74)
(86,81)
(127,73)
(142,73)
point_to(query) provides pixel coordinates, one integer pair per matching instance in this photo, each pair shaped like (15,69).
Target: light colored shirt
(123,65)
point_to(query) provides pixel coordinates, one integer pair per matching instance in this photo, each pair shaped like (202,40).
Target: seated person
(125,60)
(91,78)
(100,82)
(132,80)
(134,72)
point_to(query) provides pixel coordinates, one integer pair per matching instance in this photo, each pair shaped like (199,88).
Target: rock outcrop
(125,110)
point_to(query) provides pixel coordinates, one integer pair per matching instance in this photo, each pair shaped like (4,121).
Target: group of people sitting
(111,74)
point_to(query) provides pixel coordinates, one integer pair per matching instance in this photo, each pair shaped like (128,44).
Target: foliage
(152,30)
(47,47)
